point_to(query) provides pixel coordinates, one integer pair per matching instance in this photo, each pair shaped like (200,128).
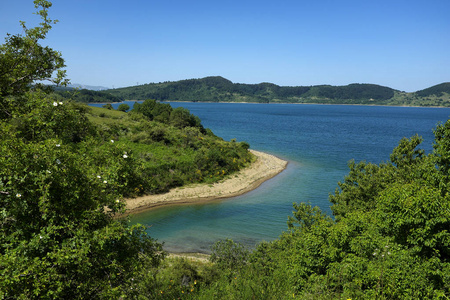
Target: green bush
(229,255)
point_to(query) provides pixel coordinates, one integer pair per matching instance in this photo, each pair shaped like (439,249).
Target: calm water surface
(317,140)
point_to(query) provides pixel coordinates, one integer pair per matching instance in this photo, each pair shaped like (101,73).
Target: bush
(229,255)
(123,107)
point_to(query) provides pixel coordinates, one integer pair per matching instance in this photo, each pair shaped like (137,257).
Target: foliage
(56,239)
(123,107)
(108,106)
(86,96)
(437,90)
(24,61)
(229,255)
(65,169)
(390,238)
(216,88)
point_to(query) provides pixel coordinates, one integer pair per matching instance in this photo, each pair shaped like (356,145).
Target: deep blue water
(317,140)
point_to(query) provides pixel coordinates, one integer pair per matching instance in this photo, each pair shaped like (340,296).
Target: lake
(317,140)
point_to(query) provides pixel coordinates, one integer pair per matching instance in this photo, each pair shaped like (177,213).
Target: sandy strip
(265,167)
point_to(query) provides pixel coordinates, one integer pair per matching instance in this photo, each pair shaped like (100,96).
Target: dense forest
(65,168)
(85,96)
(219,89)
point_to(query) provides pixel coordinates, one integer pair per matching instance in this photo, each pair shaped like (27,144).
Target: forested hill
(84,95)
(219,89)
(437,90)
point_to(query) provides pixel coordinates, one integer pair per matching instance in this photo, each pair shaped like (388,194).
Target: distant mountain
(219,89)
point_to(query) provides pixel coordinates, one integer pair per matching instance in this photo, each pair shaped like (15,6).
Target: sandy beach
(265,167)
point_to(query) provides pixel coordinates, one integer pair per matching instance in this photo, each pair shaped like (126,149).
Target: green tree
(108,106)
(229,255)
(389,239)
(24,62)
(59,238)
(123,107)
(145,108)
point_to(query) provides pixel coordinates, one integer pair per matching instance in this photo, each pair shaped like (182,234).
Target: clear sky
(403,44)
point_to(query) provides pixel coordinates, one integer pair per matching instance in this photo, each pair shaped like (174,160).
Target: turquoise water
(317,140)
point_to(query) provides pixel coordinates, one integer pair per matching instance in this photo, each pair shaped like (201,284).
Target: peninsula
(265,167)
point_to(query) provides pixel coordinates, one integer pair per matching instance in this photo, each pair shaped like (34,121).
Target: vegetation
(389,239)
(85,96)
(65,169)
(123,107)
(215,89)
(437,90)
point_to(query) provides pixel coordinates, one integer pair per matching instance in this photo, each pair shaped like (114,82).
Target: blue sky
(401,44)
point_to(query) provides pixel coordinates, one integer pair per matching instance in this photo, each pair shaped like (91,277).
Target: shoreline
(265,167)
(303,103)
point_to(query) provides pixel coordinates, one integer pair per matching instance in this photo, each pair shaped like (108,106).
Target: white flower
(60,103)
(112,141)
(49,172)
(125,156)
(98,176)
(117,200)
(40,236)
(18,195)
(55,103)
(104,181)
(58,145)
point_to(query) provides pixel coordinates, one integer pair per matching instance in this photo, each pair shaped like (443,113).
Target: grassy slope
(168,156)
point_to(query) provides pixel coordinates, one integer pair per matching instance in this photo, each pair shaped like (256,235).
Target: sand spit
(265,167)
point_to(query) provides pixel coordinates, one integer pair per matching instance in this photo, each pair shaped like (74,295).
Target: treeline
(86,96)
(437,90)
(220,89)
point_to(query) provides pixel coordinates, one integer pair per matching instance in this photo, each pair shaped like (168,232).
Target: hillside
(436,90)
(219,89)
(85,95)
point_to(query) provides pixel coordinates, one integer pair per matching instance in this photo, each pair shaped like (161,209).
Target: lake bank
(265,167)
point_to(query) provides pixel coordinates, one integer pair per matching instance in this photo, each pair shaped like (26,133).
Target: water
(317,140)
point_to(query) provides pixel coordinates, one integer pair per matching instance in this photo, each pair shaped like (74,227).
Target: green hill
(437,90)
(85,96)
(215,89)
(219,89)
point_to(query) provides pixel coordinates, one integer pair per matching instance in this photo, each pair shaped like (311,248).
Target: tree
(123,107)
(23,61)
(59,238)
(108,106)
